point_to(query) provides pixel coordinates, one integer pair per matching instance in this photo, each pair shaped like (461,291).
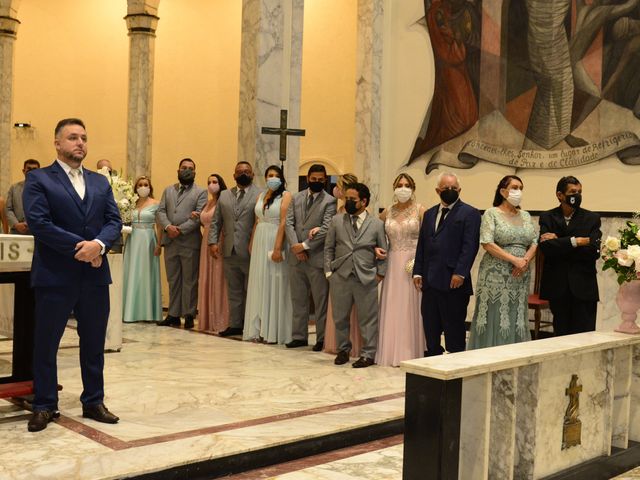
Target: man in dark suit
(310,208)
(570,241)
(72,215)
(447,247)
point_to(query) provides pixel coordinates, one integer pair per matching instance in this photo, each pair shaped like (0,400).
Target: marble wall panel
(621,390)
(502,434)
(474,427)
(527,414)
(595,374)
(634,400)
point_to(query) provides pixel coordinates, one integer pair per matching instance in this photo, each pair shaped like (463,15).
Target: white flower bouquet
(123,194)
(622,254)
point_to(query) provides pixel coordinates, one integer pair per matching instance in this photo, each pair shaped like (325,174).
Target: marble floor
(184,397)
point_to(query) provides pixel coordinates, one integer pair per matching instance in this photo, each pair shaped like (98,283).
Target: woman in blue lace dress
(510,240)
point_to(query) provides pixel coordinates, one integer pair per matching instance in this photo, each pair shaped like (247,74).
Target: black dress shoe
(230,331)
(318,347)
(188,322)
(40,419)
(341,358)
(99,413)
(363,362)
(169,322)
(297,343)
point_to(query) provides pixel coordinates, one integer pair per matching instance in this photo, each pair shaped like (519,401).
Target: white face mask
(515,197)
(143,192)
(403,194)
(214,188)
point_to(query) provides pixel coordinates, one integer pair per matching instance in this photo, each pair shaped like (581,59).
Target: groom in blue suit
(74,219)
(447,247)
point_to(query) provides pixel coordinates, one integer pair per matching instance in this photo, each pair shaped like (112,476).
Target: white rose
(633,251)
(638,235)
(623,258)
(612,243)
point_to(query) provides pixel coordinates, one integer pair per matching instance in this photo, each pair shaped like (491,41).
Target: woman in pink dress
(401,335)
(213,309)
(330,326)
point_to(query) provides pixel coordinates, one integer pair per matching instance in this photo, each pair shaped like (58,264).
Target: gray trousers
(346,292)
(182,265)
(236,273)
(306,280)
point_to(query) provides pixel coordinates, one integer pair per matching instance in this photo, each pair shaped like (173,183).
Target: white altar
(16,252)
(502,412)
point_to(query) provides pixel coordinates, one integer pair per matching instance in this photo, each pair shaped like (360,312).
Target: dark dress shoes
(169,322)
(188,322)
(363,362)
(297,343)
(230,331)
(40,419)
(318,347)
(341,358)
(99,413)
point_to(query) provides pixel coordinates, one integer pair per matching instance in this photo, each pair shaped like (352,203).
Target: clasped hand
(89,251)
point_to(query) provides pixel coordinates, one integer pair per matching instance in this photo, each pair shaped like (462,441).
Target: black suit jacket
(449,250)
(569,269)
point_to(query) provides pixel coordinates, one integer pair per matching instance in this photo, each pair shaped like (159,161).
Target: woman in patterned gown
(510,239)
(401,334)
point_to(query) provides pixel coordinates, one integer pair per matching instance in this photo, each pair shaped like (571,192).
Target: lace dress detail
(403,228)
(500,315)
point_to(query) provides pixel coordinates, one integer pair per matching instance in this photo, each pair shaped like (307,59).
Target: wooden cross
(283,131)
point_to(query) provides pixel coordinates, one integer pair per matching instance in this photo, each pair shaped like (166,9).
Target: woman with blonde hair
(401,335)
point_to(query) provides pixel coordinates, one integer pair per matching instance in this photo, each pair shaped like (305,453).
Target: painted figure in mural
(454,110)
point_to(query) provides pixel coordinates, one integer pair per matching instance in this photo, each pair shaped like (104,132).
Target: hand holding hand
(297,248)
(87,250)
(96,262)
(172,231)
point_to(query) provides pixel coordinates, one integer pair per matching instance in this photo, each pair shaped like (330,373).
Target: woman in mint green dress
(509,237)
(141,294)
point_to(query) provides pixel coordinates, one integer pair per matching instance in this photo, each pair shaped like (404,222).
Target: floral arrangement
(123,194)
(622,254)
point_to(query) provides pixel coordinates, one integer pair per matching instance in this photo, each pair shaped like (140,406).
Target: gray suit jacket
(15,211)
(345,251)
(299,222)
(235,219)
(177,211)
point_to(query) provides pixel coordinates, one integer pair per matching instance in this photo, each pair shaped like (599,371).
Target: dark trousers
(444,312)
(572,315)
(90,305)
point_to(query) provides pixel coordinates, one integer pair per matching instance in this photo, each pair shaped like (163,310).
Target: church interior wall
(408,83)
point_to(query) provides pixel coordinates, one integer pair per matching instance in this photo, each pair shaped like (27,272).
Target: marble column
(369,95)
(270,80)
(8,30)
(142,21)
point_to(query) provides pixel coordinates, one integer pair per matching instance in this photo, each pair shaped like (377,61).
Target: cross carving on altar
(283,131)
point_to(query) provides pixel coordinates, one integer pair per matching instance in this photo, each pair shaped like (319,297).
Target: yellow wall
(329,83)
(70,60)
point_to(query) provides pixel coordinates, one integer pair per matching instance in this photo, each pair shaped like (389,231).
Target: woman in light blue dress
(141,294)
(268,313)
(510,240)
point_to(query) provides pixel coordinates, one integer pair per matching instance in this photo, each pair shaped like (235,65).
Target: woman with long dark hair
(509,239)
(268,313)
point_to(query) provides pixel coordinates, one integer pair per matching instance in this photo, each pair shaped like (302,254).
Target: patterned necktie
(77,182)
(354,222)
(445,211)
(241,195)
(309,204)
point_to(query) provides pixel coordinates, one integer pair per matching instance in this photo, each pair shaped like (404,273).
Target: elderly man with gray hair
(447,247)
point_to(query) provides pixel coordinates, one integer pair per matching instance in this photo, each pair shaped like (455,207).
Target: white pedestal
(113,340)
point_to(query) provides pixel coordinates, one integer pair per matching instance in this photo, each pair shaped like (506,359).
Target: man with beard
(229,236)
(181,243)
(570,241)
(71,213)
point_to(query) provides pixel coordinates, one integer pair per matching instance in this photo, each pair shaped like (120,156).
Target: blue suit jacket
(449,250)
(59,219)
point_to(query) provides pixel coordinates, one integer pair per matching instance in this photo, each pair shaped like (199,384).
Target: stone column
(270,80)
(142,22)
(8,30)
(369,95)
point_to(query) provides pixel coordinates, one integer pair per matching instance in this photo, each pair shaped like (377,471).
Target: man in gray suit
(309,209)
(15,211)
(181,243)
(354,272)
(233,222)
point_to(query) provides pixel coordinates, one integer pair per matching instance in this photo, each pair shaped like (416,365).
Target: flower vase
(628,300)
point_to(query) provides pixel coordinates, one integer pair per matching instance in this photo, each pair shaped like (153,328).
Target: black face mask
(350,207)
(243,180)
(449,196)
(316,187)
(187,176)
(574,200)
